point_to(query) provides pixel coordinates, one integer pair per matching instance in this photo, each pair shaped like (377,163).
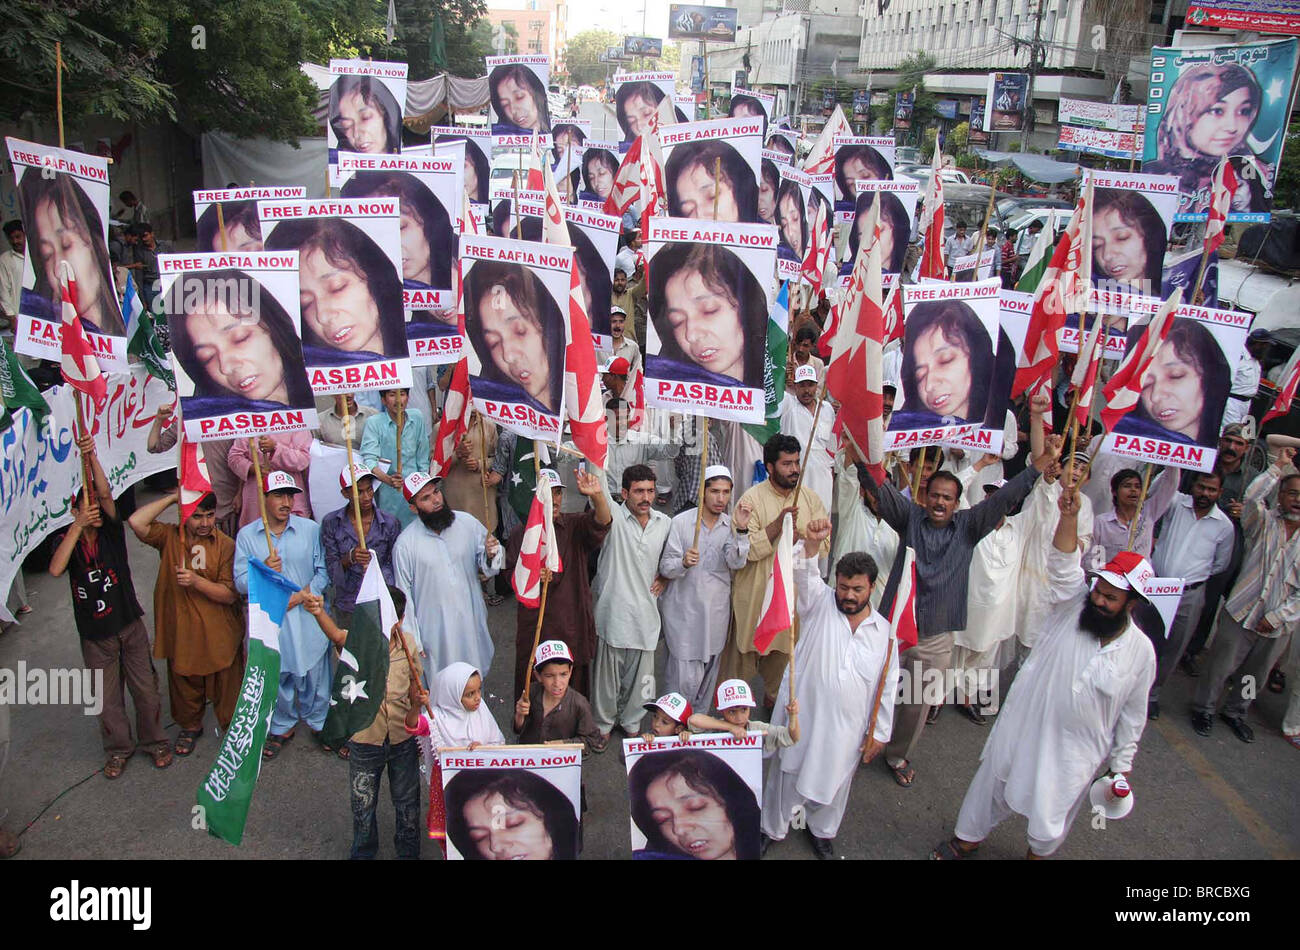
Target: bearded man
(437,561)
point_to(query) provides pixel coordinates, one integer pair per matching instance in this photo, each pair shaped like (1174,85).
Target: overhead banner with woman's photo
(1177,419)
(951,383)
(233,319)
(706,331)
(513,803)
(1132,216)
(636,100)
(797,200)
(517,102)
(859,158)
(595,242)
(711,169)
(478,162)
(785,141)
(517,213)
(1212,103)
(1014,310)
(699,801)
(63,199)
(1005,102)
(515,298)
(350,287)
(236,228)
(898,200)
(430,190)
(365,109)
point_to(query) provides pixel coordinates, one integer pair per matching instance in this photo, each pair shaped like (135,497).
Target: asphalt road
(1205,799)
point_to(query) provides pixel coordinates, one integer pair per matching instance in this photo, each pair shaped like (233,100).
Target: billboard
(689,21)
(642,46)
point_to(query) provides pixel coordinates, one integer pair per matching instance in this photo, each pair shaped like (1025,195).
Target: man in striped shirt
(1264,604)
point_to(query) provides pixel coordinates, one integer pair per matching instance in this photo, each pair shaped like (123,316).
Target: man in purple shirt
(344,556)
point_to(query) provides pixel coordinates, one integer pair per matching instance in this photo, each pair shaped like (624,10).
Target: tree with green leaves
(910,75)
(582,56)
(227,65)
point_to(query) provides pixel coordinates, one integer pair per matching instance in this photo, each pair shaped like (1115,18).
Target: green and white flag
(227,791)
(18,390)
(142,336)
(778,349)
(1040,255)
(361,679)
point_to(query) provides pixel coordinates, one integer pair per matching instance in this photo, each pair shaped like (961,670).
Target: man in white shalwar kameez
(844,648)
(990,612)
(436,563)
(797,411)
(858,528)
(696,607)
(1078,703)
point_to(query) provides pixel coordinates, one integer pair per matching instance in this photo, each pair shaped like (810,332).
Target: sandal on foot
(495,600)
(952,850)
(903,773)
(185,741)
(115,766)
(274,744)
(1277,682)
(162,756)
(1294,740)
(342,751)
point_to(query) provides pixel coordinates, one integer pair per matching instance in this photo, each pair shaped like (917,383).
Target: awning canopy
(1037,167)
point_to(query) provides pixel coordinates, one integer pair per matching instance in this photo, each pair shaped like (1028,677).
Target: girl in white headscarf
(459,721)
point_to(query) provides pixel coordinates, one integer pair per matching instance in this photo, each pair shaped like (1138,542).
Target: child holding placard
(669,717)
(551,712)
(734,701)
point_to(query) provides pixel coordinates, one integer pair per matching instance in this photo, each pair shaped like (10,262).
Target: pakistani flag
(142,336)
(18,390)
(523,479)
(227,792)
(361,679)
(778,348)
(1040,255)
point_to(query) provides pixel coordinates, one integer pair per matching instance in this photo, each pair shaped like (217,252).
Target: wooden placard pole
(256,453)
(704,465)
(1142,500)
(356,497)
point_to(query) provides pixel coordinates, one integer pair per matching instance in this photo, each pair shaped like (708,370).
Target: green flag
(143,342)
(778,348)
(18,390)
(227,791)
(1040,255)
(438,43)
(523,479)
(361,679)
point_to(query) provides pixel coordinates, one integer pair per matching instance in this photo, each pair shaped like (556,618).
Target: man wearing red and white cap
(282,451)
(436,562)
(798,407)
(696,607)
(624,347)
(344,555)
(304,691)
(1078,704)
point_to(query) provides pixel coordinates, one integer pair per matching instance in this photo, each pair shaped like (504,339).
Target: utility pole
(1028,125)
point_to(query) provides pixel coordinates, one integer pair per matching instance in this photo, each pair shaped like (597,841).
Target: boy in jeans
(388,741)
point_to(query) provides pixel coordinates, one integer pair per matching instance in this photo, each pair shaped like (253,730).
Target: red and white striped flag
(821,160)
(1282,405)
(634,394)
(1225,186)
(80,368)
(777,615)
(194,480)
(582,402)
(640,176)
(855,374)
(813,268)
(894,312)
(1084,378)
(902,618)
(1063,289)
(538,548)
(931,223)
(1125,387)
(455,418)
